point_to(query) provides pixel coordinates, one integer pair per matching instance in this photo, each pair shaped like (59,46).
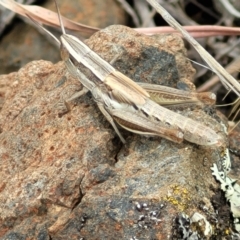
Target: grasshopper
(134,106)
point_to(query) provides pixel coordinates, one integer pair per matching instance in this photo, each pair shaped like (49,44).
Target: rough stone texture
(66,175)
(234,145)
(24,44)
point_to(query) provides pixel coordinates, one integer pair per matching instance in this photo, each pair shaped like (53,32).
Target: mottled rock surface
(66,175)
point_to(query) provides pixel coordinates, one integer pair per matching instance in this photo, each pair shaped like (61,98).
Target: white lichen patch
(195,227)
(226,161)
(232,193)
(201,220)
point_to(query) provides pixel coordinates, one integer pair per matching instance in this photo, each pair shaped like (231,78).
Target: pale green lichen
(229,186)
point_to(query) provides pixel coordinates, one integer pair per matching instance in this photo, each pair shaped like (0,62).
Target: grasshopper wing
(124,90)
(167,96)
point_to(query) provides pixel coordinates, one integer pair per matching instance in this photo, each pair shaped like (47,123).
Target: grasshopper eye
(64,53)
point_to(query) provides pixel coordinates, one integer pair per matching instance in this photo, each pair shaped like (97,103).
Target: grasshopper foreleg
(77,94)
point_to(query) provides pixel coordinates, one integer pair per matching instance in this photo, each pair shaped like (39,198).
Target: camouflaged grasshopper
(134,106)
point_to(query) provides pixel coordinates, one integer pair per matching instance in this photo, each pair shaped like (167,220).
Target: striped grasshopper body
(130,104)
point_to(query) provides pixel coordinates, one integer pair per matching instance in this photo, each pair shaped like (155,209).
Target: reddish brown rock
(66,175)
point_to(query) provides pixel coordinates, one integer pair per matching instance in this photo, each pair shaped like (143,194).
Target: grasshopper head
(64,53)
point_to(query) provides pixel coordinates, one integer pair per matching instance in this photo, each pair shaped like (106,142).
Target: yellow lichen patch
(179,197)
(227,232)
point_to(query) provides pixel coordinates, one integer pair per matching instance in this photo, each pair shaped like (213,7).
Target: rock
(66,175)
(234,145)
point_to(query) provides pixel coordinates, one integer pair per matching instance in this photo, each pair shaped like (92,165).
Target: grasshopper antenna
(44,29)
(59,17)
(63,51)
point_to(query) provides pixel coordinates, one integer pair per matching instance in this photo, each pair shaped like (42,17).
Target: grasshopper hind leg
(141,125)
(111,121)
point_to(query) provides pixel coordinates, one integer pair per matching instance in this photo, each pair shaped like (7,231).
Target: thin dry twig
(45,16)
(130,11)
(7,16)
(144,13)
(49,18)
(205,9)
(196,31)
(227,80)
(235,109)
(229,7)
(207,86)
(176,11)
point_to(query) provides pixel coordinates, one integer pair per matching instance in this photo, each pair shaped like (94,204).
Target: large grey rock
(66,175)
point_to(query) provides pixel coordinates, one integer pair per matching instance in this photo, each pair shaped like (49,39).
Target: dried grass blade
(227,80)
(196,31)
(45,16)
